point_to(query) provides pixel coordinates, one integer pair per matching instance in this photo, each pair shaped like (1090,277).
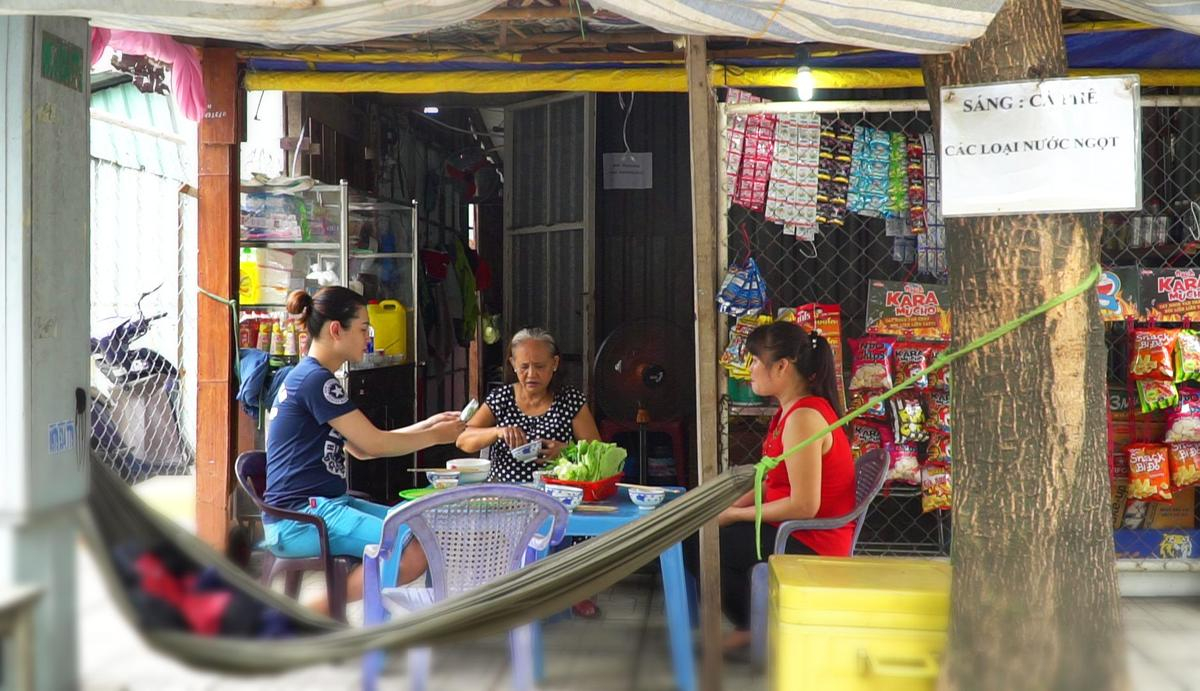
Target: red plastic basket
(592,491)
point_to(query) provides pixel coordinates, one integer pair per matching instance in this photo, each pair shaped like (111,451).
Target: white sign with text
(1051,146)
(629,171)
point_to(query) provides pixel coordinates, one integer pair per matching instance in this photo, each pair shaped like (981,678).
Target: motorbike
(136,398)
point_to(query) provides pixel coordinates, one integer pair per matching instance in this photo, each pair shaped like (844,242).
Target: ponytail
(331,303)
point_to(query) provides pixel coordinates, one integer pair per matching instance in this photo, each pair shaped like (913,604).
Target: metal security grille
(835,267)
(143,273)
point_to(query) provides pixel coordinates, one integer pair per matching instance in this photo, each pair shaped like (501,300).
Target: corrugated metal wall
(644,237)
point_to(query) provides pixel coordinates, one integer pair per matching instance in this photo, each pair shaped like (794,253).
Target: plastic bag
(742,291)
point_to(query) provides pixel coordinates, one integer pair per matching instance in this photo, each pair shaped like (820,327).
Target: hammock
(116,517)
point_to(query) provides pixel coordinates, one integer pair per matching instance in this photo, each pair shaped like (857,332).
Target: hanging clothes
(469,297)
(792,193)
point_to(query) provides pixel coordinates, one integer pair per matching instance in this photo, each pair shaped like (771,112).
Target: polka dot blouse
(554,424)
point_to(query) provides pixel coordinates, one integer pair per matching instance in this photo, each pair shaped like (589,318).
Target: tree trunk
(1035,600)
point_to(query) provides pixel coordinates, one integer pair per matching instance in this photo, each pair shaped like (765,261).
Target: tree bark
(1035,599)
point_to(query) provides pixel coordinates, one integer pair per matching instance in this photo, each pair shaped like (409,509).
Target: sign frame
(954,94)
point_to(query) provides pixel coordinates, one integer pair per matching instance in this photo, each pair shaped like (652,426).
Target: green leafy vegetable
(588,461)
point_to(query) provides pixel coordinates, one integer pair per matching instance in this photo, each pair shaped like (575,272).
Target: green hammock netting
(117,516)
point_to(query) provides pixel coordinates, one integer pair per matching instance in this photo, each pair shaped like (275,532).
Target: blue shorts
(352,524)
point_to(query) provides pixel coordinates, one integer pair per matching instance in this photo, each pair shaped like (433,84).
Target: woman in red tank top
(797,370)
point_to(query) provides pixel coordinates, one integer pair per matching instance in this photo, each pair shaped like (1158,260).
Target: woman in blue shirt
(313,424)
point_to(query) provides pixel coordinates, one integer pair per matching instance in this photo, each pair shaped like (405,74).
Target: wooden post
(217,273)
(702,116)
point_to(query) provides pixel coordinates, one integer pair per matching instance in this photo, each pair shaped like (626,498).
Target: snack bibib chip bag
(872,366)
(1185,464)
(1153,354)
(1157,395)
(1149,473)
(1187,356)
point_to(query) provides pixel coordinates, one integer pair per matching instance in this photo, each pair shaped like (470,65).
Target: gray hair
(533,334)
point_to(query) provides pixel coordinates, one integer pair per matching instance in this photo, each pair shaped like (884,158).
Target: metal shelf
(263,306)
(287,245)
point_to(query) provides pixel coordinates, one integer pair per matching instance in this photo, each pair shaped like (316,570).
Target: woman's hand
(432,420)
(550,449)
(512,436)
(445,430)
(731,515)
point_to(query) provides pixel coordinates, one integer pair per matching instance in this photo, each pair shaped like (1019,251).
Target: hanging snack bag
(941,378)
(908,418)
(939,450)
(861,397)
(1182,427)
(1153,354)
(1187,355)
(935,488)
(905,464)
(937,410)
(1185,464)
(872,367)
(1189,398)
(1157,395)
(866,436)
(912,358)
(1149,472)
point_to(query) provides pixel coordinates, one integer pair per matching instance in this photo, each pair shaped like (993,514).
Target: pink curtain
(187,83)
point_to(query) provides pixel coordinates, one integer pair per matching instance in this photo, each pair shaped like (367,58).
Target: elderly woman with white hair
(536,406)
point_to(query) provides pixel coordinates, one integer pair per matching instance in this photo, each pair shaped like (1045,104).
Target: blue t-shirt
(305,456)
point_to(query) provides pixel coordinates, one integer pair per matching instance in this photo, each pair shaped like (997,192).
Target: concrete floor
(626,649)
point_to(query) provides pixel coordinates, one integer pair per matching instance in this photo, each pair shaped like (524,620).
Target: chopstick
(668,490)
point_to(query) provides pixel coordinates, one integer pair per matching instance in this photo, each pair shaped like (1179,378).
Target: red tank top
(837,480)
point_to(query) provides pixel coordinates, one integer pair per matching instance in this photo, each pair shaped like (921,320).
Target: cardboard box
(1178,515)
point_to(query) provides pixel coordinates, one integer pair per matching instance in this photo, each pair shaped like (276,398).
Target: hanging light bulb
(804,83)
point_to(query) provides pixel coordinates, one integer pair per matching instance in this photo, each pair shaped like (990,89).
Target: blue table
(679,628)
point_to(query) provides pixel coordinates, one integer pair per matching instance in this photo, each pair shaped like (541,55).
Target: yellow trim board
(656,79)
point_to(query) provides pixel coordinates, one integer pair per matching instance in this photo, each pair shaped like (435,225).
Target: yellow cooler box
(853,624)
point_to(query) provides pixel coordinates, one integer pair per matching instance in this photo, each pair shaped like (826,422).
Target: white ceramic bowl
(646,497)
(527,453)
(443,479)
(539,478)
(570,497)
(471,469)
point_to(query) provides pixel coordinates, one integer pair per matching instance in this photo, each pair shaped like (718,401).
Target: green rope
(233,315)
(768,463)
